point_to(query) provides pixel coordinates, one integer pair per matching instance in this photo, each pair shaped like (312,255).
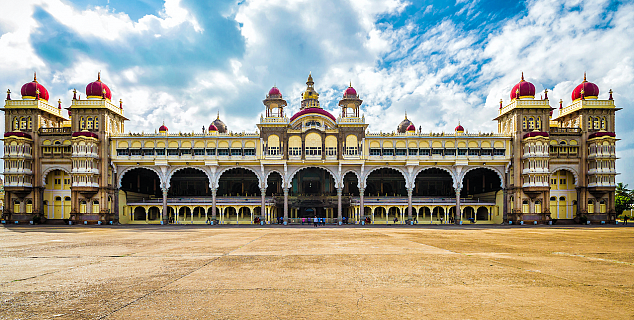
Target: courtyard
(301,272)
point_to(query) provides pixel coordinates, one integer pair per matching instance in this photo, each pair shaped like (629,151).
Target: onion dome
(34,90)
(163,128)
(402,127)
(523,89)
(212,128)
(98,89)
(350,92)
(85,134)
(274,93)
(221,126)
(585,90)
(313,110)
(411,128)
(459,128)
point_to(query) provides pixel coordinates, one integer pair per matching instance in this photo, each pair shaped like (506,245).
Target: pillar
(409,203)
(165,211)
(286,204)
(339,192)
(213,203)
(262,207)
(458,213)
(361,206)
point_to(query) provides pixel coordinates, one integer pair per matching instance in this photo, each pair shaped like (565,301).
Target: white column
(262,205)
(361,205)
(339,192)
(213,203)
(286,205)
(165,211)
(409,203)
(458,213)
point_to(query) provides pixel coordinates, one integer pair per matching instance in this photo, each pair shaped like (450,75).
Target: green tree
(624,198)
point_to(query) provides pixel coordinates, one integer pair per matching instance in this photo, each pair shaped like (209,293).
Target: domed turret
(163,128)
(220,126)
(402,127)
(523,89)
(212,128)
(459,128)
(34,90)
(585,90)
(350,92)
(274,93)
(98,89)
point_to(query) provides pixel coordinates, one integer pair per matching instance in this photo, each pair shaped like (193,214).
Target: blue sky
(182,61)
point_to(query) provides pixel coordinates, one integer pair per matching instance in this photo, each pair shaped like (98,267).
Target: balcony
(55,131)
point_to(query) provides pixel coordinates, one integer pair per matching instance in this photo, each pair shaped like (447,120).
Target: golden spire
(405,114)
(584,77)
(34,76)
(99,76)
(218,117)
(350,83)
(310,79)
(522,76)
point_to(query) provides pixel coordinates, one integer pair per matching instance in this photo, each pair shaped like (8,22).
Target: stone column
(458,213)
(213,203)
(339,193)
(263,204)
(286,204)
(361,206)
(165,211)
(410,191)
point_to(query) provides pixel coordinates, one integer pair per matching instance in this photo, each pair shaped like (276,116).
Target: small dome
(34,89)
(411,128)
(212,127)
(221,126)
(163,128)
(274,92)
(350,91)
(523,89)
(402,127)
(590,90)
(459,128)
(98,89)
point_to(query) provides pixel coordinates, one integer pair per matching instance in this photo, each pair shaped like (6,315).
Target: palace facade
(80,166)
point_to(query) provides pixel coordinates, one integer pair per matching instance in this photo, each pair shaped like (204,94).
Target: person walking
(625,220)
(315,221)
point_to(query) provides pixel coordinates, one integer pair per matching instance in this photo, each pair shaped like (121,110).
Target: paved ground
(177,272)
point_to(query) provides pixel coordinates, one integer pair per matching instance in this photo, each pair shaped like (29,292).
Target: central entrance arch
(312,191)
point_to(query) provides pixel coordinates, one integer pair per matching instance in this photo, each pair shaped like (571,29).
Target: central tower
(310,97)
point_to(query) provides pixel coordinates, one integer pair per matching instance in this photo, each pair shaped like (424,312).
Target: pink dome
(350,92)
(97,88)
(313,110)
(589,90)
(212,127)
(460,128)
(31,89)
(525,88)
(163,128)
(275,92)
(411,128)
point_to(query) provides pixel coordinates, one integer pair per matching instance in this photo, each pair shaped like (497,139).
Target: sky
(182,62)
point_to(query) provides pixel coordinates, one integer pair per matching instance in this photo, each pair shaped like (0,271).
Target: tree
(624,198)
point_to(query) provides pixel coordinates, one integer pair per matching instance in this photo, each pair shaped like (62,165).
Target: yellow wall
(57,187)
(562,189)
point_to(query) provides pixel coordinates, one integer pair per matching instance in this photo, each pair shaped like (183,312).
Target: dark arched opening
(386,182)
(351,184)
(313,182)
(274,184)
(141,183)
(481,184)
(189,182)
(238,182)
(434,182)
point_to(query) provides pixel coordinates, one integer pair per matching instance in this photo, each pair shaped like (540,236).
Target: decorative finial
(9,94)
(37,93)
(103,93)
(59,104)
(546,94)
(34,76)
(99,76)
(584,77)
(610,98)
(500,104)
(350,83)
(583,94)
(218,116)
(74,94)
(561,104)
(405,114)
(522,76)
(121,103)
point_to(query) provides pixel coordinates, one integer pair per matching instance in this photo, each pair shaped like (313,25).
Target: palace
(84,168)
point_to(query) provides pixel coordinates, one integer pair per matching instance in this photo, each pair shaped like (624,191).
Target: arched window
(89,123)
(96,123)
(531,123)
(29,123)
(16,123)
(539,123)
(23,123)
(596,123)
(524,124)
(603,124)
(589,123)
(82,123)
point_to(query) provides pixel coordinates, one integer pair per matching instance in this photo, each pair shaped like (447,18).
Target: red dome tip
(275,92)
(460,128)
(34,89)
(589,89)
(350,92)
(163,128)
(98,89)
(523,89)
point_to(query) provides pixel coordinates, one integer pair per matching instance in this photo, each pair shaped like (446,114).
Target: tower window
(89,123)
(531,123)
